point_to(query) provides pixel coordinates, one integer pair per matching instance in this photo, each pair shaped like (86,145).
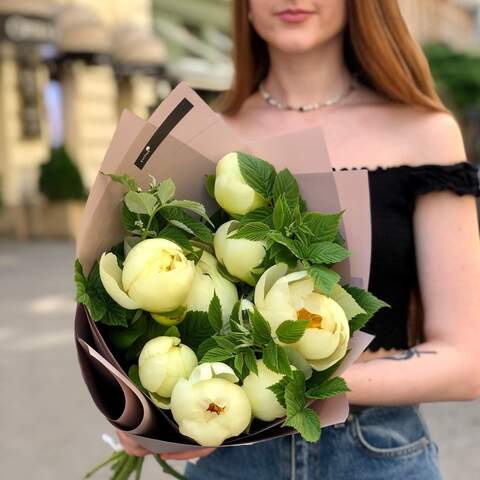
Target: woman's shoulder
(427,136)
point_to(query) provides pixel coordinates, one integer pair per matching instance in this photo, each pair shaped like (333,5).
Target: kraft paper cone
(183,139)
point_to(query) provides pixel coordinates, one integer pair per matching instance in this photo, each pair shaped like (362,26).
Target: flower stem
(168,469)
(110,459)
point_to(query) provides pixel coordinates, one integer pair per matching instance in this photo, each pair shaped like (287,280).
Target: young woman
(352,68)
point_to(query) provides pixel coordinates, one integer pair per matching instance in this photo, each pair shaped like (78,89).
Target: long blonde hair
(377,47)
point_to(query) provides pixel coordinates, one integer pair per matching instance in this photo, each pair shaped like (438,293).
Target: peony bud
(209,407)
(208,280)
(232,193)
(265,405)
(156,276)
(240,256)
(162,362)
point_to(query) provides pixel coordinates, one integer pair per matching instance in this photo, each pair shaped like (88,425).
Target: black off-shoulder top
(393,273)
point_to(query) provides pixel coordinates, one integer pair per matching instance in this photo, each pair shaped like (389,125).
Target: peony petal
(266,282)
(159,291)
(160,402)
(241,256)
(144,253)
(209,370)
(317,344)
(153,372)
(111,277)
(263,401)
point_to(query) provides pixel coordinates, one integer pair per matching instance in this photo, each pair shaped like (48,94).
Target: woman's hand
(133,448)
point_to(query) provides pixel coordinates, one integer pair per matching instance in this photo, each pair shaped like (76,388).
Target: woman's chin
(295,44)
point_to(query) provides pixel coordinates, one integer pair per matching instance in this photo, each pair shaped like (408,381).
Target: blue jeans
(378,443)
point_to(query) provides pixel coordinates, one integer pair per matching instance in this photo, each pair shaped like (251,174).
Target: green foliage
(457,76)
(369,302)
(91,293)
(60,178)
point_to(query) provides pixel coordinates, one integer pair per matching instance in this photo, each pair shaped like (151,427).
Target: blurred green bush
(457,77)
(60,178)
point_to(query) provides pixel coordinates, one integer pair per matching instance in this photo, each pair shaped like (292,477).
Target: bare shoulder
(435,136)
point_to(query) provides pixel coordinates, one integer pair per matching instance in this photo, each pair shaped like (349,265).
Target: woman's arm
(446,366)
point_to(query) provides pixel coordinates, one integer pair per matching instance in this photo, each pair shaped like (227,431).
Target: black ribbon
(173,118)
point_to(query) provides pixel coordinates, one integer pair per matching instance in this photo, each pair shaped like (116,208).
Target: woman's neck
(311,76)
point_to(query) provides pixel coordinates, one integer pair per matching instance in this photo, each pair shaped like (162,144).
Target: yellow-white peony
(162,362)
(210,407)
(232,193)
(281,297)
(208,280)
(265,405)
(156,276)
(239,256)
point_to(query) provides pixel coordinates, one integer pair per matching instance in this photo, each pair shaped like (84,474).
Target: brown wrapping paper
(183,139)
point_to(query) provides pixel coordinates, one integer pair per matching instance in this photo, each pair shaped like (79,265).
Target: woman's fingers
(188,454)
(131,446)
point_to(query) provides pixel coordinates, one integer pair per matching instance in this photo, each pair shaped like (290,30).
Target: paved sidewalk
(50,429)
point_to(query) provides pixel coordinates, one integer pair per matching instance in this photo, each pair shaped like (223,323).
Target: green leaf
(125,180)
(324,278)
(234,316)
(284,255)
(346,301)
(165,190)
(327,252)
(253,231)
(81,283)
(295,247)
(172,331)
(205,346)
(210,185)
(257,173)
(276,359)
(291,331)
(295,393)
(286,184)
(224,342)
(261,331)
(318,378)
(184,221)
(330,388)
(323,226)
(140,202)
(279,390)
(215,313)
(279,214)
(262,215)
(369,302)
(176,235)
(114,315)
(194,329)
(306,423)
(250,360)
(238,363)
(194,207)
(217,354)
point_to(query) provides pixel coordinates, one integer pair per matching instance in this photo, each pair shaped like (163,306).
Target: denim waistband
(360,408)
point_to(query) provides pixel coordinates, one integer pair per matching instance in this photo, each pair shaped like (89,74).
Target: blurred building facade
(67,69)
(453,22)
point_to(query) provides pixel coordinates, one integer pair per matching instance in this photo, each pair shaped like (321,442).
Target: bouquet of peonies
(232,323)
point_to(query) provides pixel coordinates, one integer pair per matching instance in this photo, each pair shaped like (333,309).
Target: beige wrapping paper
(183,139)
